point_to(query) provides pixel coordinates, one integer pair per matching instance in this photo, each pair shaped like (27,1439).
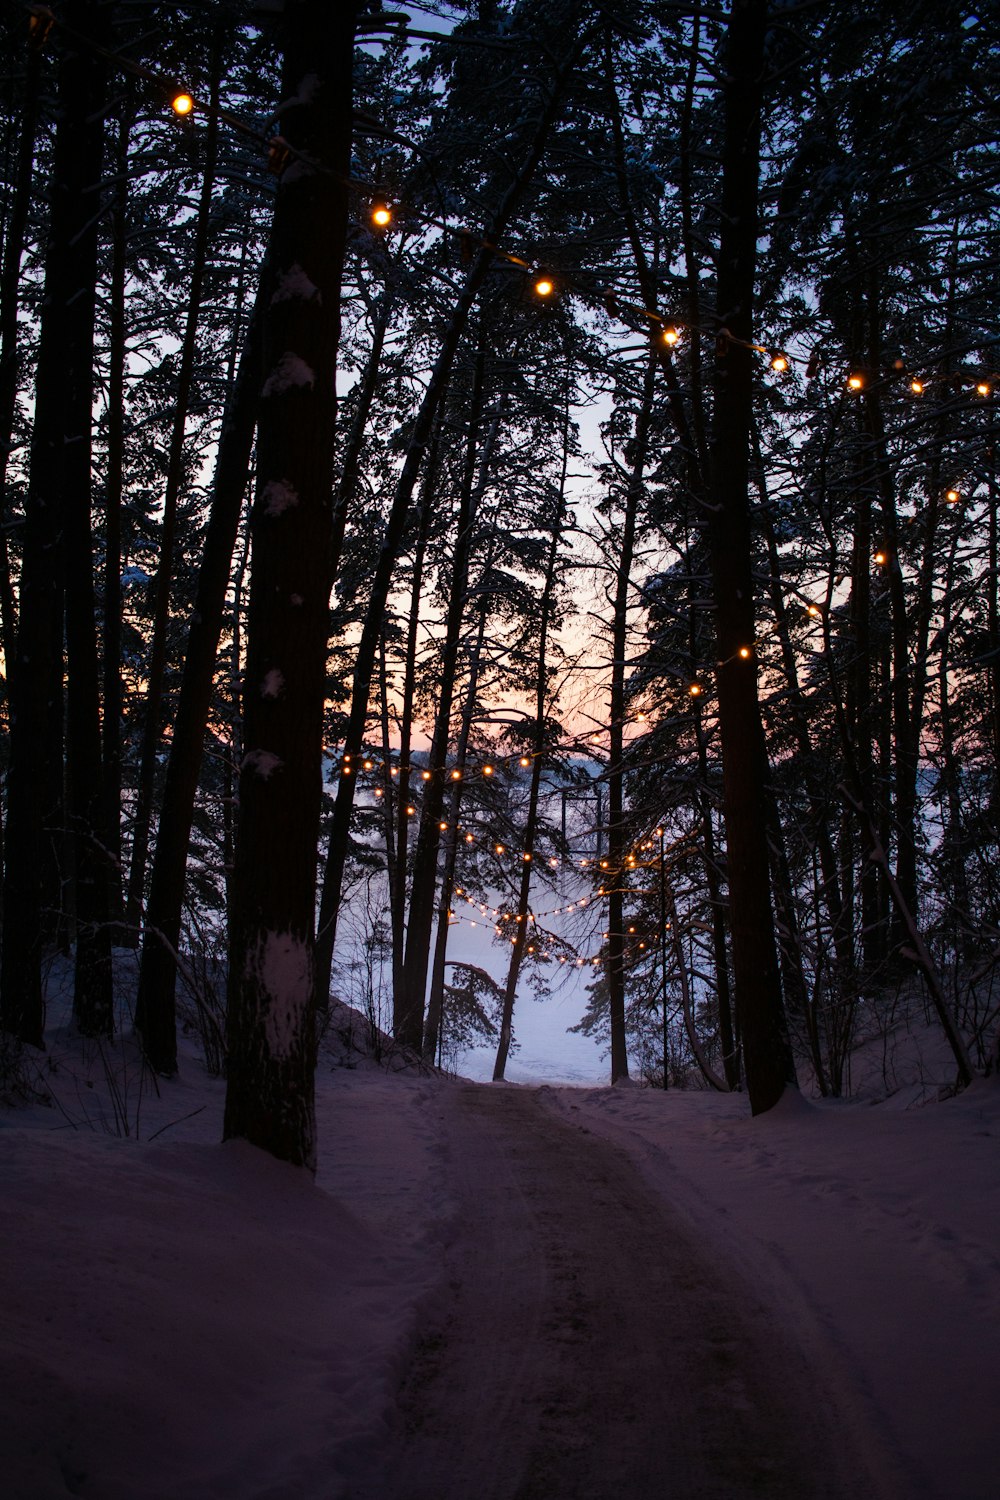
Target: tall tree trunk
(155,1012)
(162,585)
(111,731)
(616,726)
(408,1001)
(435,1000)
(271,1024)
(420,435)
(766,1051)
(10,275)
(58,517)
(545,612)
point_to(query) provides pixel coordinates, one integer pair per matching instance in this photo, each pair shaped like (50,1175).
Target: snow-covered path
(582,1345)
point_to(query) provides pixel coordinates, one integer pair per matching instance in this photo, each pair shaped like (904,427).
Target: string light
(381,215)
(182,104)
(670,336)
(544,285)
(917,387)
(779,363)
(855,382)
(694,690)
(746,653)
(952,497)
(881,557)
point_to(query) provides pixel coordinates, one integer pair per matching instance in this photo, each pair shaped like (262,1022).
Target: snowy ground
(496,1291)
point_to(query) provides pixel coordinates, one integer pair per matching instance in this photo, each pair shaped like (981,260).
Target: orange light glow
(780,363)
(381,215)
(855,382)
(182,104)
(544,286)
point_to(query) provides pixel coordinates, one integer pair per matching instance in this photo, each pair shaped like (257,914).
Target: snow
(264,762)
(283,968)
(278,496)
(295,285)
(189,1320)
(290,371)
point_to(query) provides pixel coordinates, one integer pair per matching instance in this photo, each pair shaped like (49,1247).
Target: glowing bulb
(525,760)
(670,336)
(745,653)
(379,792)
(182,104)
(393,770)
(855,382)
(410,810)
(487,770)
(694,690)
(544,286)
(381,215)
(425,775)
(500,849)
(366,765)
(443,827)
(982,389)
(456,775)
(881,558)
(953,497)
(814,610)
(526,859)
(917,387)
(469,838)
(780,363)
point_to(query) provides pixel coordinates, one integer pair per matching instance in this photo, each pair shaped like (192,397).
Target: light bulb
(182,104)
(381,215)
(855,382)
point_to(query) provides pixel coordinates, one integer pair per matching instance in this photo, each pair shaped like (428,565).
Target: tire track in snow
(583,1348)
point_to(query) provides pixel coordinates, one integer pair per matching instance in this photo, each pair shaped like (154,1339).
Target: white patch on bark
(278,495)
(264,762)
(295,285)
(281,968)
(289,373)
(274,681)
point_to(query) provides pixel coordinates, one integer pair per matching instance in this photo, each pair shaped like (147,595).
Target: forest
(513,462)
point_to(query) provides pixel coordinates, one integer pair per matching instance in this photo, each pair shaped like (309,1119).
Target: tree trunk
(155,1012)
(271,1026)
(57,519)
(420,435)
(408,1001)
(162,585)
(766,1052)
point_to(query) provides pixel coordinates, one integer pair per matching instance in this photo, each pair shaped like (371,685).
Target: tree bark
(767,1055)
(271,1023)
(155,1018)
(57,531)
